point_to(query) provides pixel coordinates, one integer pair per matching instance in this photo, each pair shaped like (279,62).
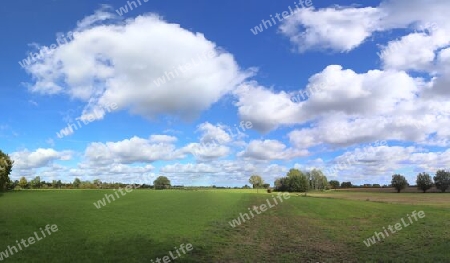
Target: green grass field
(146,224)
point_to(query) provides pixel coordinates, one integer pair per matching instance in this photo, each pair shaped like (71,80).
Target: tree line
(298,181)
(294,181)
(424,181)
(161,182)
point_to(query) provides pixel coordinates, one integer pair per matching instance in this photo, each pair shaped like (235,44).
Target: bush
(269,190)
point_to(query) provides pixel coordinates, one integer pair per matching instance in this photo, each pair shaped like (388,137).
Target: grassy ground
(144,225)
(418,198)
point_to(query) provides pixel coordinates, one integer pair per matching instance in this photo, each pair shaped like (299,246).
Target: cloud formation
(119,62)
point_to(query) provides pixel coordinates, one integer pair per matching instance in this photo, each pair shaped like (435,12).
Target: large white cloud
(214,133)
(343,107)
(343,28)
(270,150)
(39,158)
(266,109)
(334,90)
(134,150)
(374,164)
(340,29)
(207,151)
(145,65)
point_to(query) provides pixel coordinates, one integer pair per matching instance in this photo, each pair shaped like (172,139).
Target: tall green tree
(442,180)
(298,183)
(282,184)
(76,183)
(97,183)
(6,165)
(334,184)
(256,181)
(23,183)
(294,172)
(36,182)
(295,181)
(346,185)
(12,185)
(318,181)
(162,182)
(399,182)
(424,181)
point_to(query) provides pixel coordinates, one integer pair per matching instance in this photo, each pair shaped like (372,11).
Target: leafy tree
(424,181)
(308,176)
(88,185)
(76,183)
(36,182)
(334,184)
(298,183)
(295,181)
(317,180)
(59,184)
(256,181)
(23,182)
(6,165)
(442,180)
(346,185)
(97,183)
(282,184)
(323,182)
(162,182)
(294,172)
(12,185)
(399,182)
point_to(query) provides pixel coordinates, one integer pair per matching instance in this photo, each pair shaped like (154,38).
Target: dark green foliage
(317,180)
(295,181)
(256,181)
(76,183)
(161,182)
(6,165)
(346,185)
(36,182)
(424,181)
(23,183)
(334,184)
(442,180)
(399,182)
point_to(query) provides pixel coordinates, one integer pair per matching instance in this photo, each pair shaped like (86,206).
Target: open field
(410,189)
(146,224)
(388,196)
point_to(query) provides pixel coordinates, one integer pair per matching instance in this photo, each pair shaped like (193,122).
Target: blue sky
(189,91)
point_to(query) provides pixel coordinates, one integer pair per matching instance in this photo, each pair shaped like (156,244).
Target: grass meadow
(146,224)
